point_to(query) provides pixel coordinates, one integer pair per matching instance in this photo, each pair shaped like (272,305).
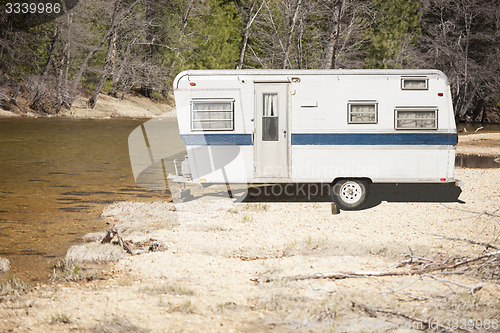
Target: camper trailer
(348,128)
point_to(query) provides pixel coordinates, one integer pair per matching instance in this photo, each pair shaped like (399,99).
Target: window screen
(270,122)
(414,83)
(362,112)
(212,115)
(416,118)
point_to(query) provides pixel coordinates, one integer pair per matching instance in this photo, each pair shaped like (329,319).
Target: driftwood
(111,234)
(346,275)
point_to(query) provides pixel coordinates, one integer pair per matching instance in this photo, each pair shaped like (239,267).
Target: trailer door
(271,130)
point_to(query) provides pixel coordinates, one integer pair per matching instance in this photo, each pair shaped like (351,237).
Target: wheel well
(368,180)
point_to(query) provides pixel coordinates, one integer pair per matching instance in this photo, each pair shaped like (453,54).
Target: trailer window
(416,118)
(362,112)
(414,83)
(270,123)
(212,115)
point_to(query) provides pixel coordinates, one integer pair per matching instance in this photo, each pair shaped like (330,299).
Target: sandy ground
(229,267)
(130,107)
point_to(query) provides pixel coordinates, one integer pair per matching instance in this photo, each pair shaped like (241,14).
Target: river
(56,176)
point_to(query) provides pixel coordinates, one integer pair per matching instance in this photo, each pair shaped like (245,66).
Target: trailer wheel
(350,194)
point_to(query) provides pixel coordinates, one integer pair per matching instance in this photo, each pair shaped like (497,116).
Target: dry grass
(4,265)
(14,286)
(117,324)
(153,216)
(94,253)
(65,270)
(186,307)
(60,318)
(164,288)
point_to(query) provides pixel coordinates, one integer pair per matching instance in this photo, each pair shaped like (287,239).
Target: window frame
(361,102)
(414,78)
(416,109)
(215,101)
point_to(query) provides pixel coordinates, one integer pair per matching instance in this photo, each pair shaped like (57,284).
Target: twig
(484,212)
(471,288)
(487,255)
(469,241)
(424,323)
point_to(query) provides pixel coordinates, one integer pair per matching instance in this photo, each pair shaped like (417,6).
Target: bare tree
(246,32)
(109,56)
(460,38)
(293,22)
(120,17)
(335,11)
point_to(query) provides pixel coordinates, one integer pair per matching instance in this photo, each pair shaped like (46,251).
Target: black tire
(350,194)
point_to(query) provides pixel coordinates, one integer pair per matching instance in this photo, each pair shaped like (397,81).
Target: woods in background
(112,47)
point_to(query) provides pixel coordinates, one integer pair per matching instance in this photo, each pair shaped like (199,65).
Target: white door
(271,130)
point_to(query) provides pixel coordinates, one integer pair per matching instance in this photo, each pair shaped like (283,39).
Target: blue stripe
(375,139)
(217,139)
(328,139)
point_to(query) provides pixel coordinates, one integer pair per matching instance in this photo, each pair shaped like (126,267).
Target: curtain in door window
(270,125)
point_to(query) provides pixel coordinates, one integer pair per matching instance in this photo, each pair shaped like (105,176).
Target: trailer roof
(283,72)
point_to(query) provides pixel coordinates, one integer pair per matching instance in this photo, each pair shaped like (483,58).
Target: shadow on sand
(377,194)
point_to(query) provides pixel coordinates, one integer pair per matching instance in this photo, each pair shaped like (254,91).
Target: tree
(392,35)
(462,39)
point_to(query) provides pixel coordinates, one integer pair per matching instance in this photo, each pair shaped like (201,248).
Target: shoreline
(107,107)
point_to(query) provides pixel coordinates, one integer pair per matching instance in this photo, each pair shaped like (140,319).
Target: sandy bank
(215,250)
(482,144)
(132,106)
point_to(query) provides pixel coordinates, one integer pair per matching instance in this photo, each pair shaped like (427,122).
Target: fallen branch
(346,275)
(424,323)
(469,241)
(484,212)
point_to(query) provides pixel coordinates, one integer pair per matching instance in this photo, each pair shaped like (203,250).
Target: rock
(4,265)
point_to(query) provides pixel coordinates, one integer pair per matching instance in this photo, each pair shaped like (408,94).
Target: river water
(56,176)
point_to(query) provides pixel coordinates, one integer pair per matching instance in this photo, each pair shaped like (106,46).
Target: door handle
(284,134)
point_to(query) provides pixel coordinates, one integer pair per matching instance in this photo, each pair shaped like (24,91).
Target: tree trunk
(246,34)
(106,71)
(184,23)
(286,61)
(114,38)
(67,59)
(13,98)
(334,31)
(52,51)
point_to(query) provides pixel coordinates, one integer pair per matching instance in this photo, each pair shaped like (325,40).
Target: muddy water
(56,176)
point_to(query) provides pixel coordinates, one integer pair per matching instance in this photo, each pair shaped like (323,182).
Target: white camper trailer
(349,128)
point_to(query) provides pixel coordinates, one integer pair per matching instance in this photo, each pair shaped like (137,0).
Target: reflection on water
(474,161)
(56,175)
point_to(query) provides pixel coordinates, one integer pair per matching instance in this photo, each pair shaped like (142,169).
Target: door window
(270,124)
